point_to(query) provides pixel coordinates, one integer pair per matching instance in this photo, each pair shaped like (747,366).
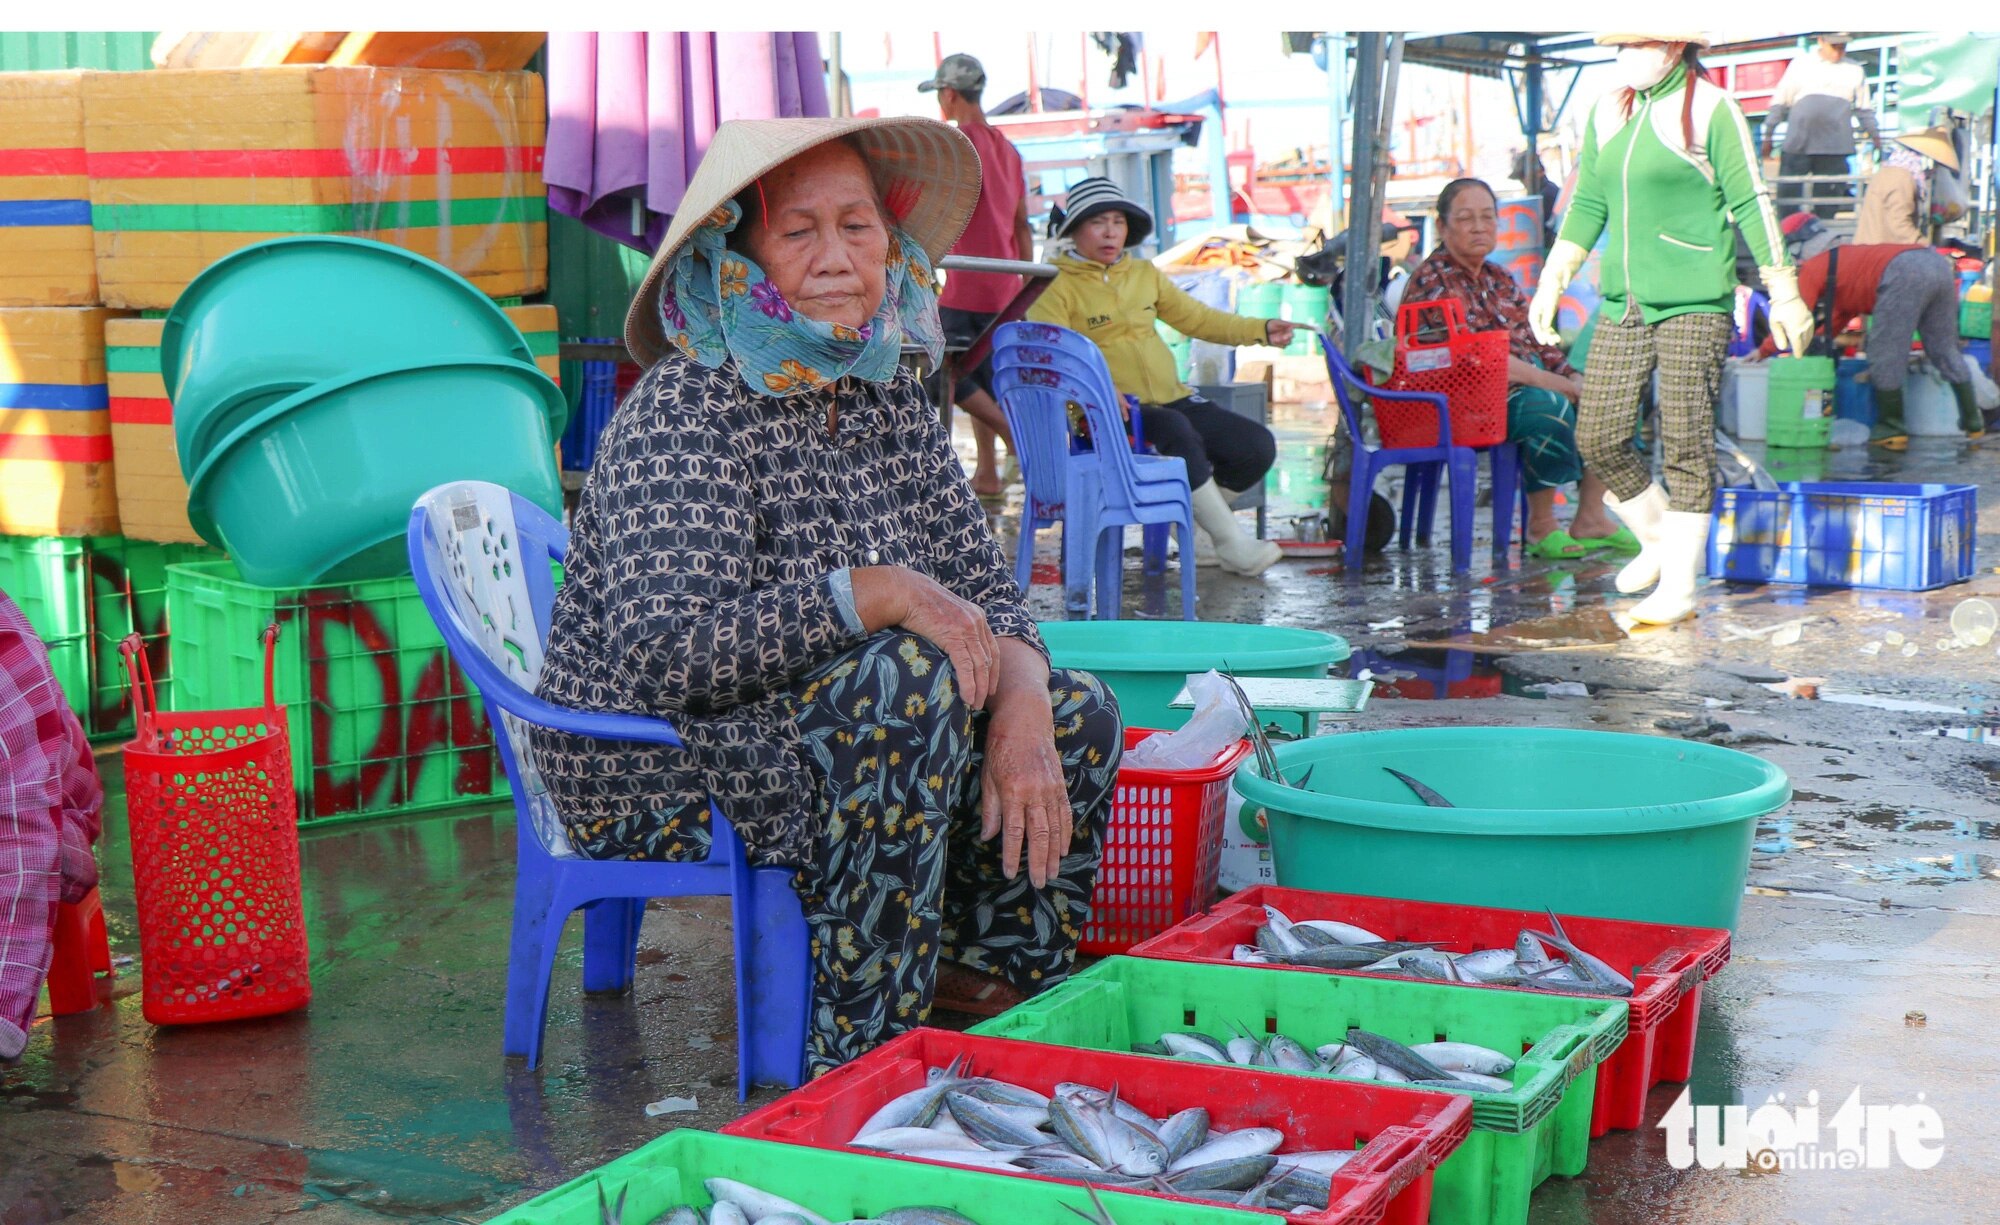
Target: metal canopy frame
(1524,59)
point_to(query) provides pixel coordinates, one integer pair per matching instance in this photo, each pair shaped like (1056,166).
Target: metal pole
(839,83)
(1362,215)
(1221,204)
(1336,91)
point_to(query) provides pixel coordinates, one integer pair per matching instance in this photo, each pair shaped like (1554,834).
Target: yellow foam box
(41,136)
(152,493)
(49,498)
(55,423)
(188,166)
(489,52)
(58,344)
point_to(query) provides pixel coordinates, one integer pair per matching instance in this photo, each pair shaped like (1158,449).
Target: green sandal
(1558,545)
(1620,541)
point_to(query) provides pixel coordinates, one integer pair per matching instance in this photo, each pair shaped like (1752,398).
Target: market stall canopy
(1958,71)
(630,115)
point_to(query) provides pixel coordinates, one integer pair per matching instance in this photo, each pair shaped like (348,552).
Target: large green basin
(297,311)
(1591,823)
(1147,662)
(318,487)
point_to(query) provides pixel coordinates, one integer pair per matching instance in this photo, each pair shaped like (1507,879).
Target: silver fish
(1492,1084)
(1297,1184)
(1245,1051)
(1225,1146)
(1289,1055)
(1345,933)
(1198,1045)
(1529,953)
(1393,1055)
(1322,1161)
(611,1213)
(1598,970)
(1100,1097)
(755,1202)
(1333,1052)
(992,1126)
(1280,928)
(917,1108)
(1081,1128)
(1488,961)
(1183,1132)
(977,1158)
(1001,1093)
(1132,1149)
(894,1139)
(682,1216)
(1231,1174)
(1249,954)
(728,1214)
(1359,1066)
(924,1215)
(1465,1057)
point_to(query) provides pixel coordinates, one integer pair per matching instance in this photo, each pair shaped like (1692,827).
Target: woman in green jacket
(1667,165)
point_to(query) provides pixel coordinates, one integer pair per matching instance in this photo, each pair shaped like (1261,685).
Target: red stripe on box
(142,410)
(311,163)
(87,449)
(41,161)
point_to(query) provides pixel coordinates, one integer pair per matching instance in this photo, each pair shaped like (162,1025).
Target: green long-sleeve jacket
(1667,207)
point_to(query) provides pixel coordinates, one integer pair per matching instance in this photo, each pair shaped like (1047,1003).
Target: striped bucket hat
(1093,196)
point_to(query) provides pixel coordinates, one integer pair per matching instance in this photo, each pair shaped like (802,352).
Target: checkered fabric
(1688,351)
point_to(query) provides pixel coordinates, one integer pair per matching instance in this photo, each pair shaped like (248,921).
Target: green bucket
(1264,300)
(1975,320)
(1800,408)
(1592,823)
(1146,663)
(1308,304)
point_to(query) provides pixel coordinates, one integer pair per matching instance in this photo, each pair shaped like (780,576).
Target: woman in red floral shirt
(1543,388)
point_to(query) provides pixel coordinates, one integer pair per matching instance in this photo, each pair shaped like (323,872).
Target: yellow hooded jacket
(1115,306)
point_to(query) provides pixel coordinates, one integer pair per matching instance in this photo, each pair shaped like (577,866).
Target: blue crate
(1853,400)
(1979,353)
(1845,534)
(593,411)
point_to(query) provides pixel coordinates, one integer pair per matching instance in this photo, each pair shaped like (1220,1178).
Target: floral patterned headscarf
(717,304)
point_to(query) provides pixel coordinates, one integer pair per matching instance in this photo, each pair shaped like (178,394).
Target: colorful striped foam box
(152,493)
(46,256)
(186,167)
(55,427)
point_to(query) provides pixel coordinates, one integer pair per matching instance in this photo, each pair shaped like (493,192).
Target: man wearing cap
(1822,95)
(999,230)
(1894,209)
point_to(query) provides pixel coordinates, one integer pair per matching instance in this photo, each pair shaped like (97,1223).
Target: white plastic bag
(1219,721)
(1984,392)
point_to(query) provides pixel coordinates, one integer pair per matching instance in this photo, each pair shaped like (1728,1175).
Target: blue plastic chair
(481,557)
(1042,363)
(1424,467)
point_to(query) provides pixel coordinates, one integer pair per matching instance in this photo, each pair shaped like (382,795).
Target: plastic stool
(82,953)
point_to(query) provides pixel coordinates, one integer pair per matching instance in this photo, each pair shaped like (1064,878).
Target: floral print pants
(901,876)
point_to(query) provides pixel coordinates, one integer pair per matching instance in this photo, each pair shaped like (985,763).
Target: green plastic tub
(1518,1138)
(1975,320)
(1591,823)
(1146,663)
(1800,407)
(839,1186)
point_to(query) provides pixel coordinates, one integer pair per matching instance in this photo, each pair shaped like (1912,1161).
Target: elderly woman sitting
(777,548)
(1542,388)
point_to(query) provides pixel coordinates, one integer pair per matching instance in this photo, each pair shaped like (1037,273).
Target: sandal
(1620,541)
(1558,545)
(973,992)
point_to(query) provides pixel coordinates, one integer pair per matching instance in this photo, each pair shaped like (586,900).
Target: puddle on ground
(1425,675)
(1876,701)
(1989,734)
(1856,853)
(1583,627)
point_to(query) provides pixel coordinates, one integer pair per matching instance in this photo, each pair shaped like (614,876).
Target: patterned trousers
(901,875)
(1688,351)
(1543,424)
(1917,296)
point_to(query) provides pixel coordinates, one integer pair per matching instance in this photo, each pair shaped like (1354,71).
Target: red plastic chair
(82,953)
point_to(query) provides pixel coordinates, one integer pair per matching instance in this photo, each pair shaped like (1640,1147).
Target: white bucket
(1929,408)
(1746,398)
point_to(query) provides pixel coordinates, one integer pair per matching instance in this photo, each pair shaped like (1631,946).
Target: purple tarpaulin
(630,115)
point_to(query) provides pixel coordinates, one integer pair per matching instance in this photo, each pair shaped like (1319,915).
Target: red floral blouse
(1492,302)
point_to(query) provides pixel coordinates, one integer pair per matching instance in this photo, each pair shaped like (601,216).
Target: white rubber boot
(1644,514)
(1683,549)
(1234,552)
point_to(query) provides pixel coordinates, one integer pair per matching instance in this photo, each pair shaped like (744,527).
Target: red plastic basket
(215,856)
(1402,1134)
(1667,965)
(1467,367)
(1162,849)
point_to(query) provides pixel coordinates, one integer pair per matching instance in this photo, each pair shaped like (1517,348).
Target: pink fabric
(631,114)
(50,802)
(991,230)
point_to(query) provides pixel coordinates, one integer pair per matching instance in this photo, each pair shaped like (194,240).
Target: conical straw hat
(927,171)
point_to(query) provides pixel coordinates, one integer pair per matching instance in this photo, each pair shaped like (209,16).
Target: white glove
(1791,319)
(1558,270)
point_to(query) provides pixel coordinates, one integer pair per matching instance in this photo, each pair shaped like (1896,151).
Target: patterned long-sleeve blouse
(708,569)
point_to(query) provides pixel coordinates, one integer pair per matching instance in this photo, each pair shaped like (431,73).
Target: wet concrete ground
(1872,902)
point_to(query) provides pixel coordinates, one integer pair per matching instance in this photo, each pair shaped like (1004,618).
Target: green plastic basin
(1147,662)
(317,488)
(1591,823)
(301,310)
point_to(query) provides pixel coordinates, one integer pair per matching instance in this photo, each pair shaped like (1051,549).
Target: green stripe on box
(543,344)
(316,218)
(131,359)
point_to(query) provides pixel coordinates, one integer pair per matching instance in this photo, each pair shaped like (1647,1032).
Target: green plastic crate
(44,576)
(128,592)
(382,721)
(840,1186)
(1975,320)
(1518,1139)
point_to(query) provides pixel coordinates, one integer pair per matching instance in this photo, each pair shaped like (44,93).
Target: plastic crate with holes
(1845,534)
(1162,849)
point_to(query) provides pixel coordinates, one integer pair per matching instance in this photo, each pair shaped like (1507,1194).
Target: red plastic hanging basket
(1467,367)
(215,856)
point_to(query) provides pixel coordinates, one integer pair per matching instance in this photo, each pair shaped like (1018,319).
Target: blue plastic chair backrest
(1343,376)
(1031,344)
(1040,427)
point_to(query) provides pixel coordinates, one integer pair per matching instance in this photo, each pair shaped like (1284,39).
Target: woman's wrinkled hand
(956,627)
(1022,797)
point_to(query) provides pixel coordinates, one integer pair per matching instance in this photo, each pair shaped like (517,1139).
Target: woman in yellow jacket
(1114,299)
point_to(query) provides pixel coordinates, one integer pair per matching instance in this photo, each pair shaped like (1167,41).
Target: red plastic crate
(1403,1134)
(1667,965)
(1162,849)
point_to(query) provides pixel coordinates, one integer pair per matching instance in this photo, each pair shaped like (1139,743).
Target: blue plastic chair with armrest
(1424,467)
(482,556)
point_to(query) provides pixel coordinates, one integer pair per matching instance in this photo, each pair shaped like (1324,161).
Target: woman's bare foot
(987,484)
(1592,524)
(973,992)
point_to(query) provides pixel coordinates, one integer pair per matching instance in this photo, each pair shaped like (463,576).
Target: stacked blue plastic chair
(1424,467)
(1040,369)
(481,557)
